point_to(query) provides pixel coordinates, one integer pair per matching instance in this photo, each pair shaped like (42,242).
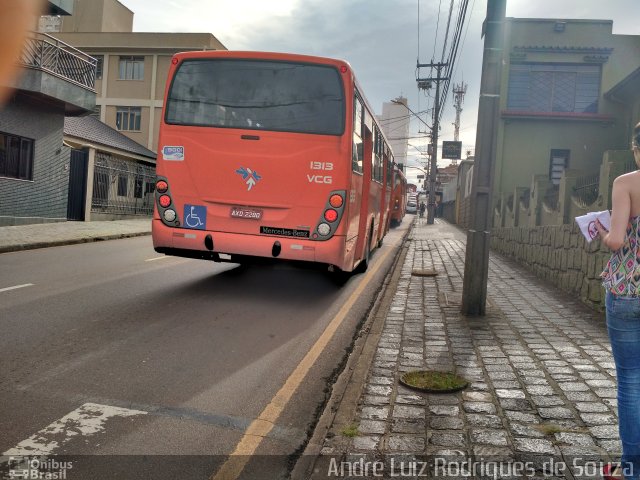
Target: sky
(383,40)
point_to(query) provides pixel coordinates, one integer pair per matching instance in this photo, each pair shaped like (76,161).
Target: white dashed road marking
(15,287)
(86,420)
(155,258)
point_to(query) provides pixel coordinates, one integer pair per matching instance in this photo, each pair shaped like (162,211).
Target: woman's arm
(620,211)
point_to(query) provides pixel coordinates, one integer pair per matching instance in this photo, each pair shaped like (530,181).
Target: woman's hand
(602,232)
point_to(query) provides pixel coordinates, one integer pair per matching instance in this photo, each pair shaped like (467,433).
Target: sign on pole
(451,150)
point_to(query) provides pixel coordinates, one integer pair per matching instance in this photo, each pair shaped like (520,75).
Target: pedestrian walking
(422,209)
(621,279)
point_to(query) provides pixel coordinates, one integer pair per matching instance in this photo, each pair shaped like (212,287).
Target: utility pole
(459,92)
(476,266)
(425,84)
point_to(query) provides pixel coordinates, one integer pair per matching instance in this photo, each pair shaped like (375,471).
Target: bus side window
(358,154)
(358,146)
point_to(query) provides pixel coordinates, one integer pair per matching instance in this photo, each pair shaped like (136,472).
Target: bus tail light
(166,210)
(331,216)
(336,201)
(169,215)
(324,229)
(162,186)
(165,201)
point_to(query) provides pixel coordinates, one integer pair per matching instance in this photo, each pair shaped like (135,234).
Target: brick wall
(44,198)
(559,254)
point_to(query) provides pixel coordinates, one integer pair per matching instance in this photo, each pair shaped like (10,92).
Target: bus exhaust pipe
(277,248)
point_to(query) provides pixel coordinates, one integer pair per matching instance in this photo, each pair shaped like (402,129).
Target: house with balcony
(56,80)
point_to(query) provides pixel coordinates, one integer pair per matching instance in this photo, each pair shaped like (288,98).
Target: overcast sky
(381,39)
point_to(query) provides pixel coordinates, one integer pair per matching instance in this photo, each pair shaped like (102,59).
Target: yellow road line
(265,422)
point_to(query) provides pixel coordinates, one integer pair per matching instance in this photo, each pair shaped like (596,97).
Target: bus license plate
(243,212)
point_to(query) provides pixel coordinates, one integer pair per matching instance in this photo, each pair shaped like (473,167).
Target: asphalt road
(136,365)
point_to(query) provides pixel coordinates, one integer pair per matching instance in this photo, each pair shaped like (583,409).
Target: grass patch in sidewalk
(548,428)
(350,431)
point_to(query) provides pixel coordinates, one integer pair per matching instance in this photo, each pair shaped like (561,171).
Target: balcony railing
(44,52)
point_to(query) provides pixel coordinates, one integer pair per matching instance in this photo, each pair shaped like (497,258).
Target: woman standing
(621,278)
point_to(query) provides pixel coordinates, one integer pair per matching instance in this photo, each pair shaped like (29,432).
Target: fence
(586,189)
(122,187)
(543,236)
(543,203)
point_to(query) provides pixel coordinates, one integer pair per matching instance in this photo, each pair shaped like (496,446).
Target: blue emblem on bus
(195,216)
(250,177)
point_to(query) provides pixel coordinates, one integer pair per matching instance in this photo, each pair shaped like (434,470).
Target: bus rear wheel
(364,264)
(339,277)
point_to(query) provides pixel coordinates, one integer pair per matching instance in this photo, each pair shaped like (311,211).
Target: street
(111,349)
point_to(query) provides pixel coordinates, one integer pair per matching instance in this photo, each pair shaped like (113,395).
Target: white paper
(587,223)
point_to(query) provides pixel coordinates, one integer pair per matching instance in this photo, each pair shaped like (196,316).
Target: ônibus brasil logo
(250,177)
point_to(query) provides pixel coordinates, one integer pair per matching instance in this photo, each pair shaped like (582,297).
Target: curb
(348,387)
(69,241)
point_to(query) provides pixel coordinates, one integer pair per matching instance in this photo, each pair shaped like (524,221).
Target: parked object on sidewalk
(621,278)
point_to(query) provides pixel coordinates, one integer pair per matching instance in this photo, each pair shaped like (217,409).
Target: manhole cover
(433,381)
(424,273)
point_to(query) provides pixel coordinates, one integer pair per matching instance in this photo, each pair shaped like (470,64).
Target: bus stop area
(542,396)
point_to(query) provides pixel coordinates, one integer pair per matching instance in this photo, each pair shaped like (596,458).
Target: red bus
(398,205)
(270,155)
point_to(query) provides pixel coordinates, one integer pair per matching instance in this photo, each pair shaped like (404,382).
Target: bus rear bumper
(239,248)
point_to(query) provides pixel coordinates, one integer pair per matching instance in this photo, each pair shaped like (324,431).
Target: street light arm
(421,151)
(414,113)
(417,168)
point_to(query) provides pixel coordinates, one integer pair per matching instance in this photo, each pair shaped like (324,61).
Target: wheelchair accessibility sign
(195,216)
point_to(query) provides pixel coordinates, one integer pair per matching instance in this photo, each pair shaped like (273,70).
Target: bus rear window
(257,95)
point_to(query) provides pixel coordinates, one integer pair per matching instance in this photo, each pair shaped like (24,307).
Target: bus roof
(263,56)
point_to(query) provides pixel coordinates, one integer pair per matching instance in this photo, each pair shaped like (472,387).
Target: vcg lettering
(319,179)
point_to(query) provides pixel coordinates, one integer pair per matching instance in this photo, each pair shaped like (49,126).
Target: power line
(435,40)
(466,30)
(446,35)
(453,53)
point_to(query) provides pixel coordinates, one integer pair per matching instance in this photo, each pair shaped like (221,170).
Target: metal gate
(77,184)
(122,187)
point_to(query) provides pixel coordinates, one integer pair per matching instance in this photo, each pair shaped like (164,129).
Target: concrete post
(476,268)
(91,164)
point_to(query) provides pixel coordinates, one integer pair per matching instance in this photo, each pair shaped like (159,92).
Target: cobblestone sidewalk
(543,379)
